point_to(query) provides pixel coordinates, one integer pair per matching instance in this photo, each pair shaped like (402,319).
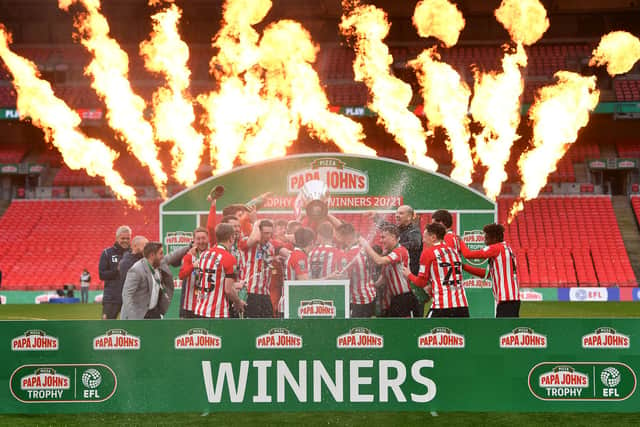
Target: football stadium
(327,212)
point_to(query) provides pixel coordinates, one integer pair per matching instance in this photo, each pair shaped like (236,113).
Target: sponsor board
(175,240)
(197,338)
(476,283)
(63,383)
(316,308)
(359,337)
(474,239)
(116,339)
(605,337)
(530,295)
(582,381)
(441,337)
(333,172)
(523,337)
(44,298)
(588,294)
(279,338)
(3,299)
(35,340)
(98,298)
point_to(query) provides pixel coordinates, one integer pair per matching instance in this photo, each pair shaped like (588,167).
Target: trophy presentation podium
(316,299)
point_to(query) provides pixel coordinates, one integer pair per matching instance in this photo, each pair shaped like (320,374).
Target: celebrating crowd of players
(236,268)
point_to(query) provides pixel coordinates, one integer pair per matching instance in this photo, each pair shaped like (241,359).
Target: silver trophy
(314,197)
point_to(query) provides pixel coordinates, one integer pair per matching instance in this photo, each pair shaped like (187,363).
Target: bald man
(130,258)
(411,238)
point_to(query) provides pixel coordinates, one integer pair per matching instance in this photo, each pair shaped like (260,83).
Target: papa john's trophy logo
(360,338)
(334,173)
(474,240)
(279,338)
(563,381)
(116,339)
(605,337)
(197,338)
(441,337)
(34,340)
(523,337)
(316,308)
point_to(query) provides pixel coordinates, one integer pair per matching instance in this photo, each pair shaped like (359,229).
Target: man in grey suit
(148,287)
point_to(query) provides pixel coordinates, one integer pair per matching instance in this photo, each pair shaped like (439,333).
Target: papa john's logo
(441,337)
(34,340)
(316,308)
(116,339)
(605,337)
(523,337)
(333,172)
(360,338)
(474,239)
(197,338)
(279,338)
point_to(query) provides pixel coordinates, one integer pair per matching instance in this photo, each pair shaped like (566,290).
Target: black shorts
(363,310)
(110,310)
(403,305)
(508,309)
(449,312)
(186,314)
(258,306)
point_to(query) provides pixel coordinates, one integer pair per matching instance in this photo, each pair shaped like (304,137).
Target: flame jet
(173,117)
(109,69)
(367,26)
(445,94)
(558,113)
(496,101)
(36,100)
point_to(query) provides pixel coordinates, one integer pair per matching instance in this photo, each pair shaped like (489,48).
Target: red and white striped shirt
(325,260)
(189,276)
(452,240)
(363,291)
(257,266)
(503,270)
(396,282)
(217,264)
(297,264)
(441,265)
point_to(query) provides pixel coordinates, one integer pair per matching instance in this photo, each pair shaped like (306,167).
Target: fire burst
(267,88)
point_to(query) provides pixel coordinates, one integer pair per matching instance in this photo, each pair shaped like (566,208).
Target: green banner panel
(567,365)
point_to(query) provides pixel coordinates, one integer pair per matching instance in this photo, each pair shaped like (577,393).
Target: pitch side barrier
(320,365)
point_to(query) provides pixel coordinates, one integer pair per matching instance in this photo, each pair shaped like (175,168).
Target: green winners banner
(357,184)
(320,365)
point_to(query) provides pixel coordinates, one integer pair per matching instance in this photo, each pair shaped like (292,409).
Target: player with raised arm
(502,269)
(441,273)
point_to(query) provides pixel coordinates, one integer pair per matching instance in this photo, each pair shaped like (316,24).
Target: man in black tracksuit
(110,274)
(411,238)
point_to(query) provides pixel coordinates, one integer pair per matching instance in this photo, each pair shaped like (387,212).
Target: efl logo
(34,340)
(588,294)
(116,339)
(197,338)
(441,338)
(523,337)
(316,308)
(334,173)
(474,240)
(605,338)
(360,338)
(279,338)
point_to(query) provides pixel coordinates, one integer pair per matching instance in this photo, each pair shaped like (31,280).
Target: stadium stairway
(629,230)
